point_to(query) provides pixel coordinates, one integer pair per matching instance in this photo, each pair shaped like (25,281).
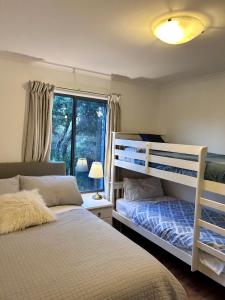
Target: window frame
(73,134)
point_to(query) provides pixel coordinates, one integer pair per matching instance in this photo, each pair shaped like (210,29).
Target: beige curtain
(113,124)
(39,122)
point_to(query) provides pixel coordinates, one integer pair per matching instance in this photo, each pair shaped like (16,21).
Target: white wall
(193,112)
(138,105)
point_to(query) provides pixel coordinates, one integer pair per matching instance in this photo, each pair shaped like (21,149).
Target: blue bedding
(173,221)
(214,171)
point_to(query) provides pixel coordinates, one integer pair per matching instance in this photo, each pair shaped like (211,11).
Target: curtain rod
(81,91)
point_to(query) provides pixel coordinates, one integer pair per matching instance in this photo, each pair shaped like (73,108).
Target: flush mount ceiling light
(177,29)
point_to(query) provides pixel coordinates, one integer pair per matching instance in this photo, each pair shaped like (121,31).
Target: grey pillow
(140,189)
(9,185)
(55,190)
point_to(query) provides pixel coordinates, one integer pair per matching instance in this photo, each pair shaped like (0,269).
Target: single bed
(78,257)
(173,220)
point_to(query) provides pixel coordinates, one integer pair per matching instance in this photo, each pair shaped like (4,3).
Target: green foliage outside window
(80,121)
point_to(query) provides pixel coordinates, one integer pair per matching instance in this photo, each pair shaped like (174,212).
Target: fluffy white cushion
(55,190)
(9,185)
(139,189)
(23,209)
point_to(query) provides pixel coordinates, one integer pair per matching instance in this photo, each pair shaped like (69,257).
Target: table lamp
(96,172)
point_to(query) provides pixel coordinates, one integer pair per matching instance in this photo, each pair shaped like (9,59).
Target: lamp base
(97,196)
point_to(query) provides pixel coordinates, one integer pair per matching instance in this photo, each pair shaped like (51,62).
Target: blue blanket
(173,221)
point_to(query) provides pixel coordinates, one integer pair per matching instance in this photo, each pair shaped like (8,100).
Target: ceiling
(112,36)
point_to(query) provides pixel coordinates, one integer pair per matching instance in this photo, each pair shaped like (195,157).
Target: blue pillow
(155,138)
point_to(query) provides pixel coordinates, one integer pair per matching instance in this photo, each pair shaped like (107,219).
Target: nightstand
(101,208)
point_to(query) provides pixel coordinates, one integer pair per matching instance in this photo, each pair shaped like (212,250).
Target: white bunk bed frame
(200,185)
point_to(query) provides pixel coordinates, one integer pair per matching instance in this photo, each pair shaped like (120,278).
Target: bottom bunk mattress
(173,220)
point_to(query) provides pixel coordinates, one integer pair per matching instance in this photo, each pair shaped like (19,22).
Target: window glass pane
(80,121)
(90,141)
(61,130)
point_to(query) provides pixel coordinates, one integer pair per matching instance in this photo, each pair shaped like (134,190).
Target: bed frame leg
(121,228)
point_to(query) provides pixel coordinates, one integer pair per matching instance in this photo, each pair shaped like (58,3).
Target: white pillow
(55,190)
(21,210)
(139,189)
(9,185)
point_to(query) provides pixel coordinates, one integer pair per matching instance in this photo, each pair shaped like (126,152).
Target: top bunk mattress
(214,171)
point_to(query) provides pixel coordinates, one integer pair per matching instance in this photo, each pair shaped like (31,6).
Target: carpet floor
(197,285)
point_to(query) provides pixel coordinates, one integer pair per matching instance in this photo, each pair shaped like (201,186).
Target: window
(78,136)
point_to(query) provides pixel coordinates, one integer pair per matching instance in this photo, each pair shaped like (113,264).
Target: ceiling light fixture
(177,29)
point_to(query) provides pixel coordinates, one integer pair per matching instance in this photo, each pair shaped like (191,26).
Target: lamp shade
(82,165)
(177,29)
(96,170)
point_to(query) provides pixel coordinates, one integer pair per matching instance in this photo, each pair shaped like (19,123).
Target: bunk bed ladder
(197,216)
(219,188)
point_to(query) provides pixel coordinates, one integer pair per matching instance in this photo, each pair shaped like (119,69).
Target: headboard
(8,170)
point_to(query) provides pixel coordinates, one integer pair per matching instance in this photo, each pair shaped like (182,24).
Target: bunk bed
(189,165)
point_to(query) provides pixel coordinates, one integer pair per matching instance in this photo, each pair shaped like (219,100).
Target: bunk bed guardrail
(147,158)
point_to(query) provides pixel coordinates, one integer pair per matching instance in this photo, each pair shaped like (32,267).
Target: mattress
(173,221)
(214,171)
(80,257)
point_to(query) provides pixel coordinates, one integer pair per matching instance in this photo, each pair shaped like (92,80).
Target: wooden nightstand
(101,208)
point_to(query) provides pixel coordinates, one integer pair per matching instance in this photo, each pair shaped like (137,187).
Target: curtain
(112,124)
(37,142)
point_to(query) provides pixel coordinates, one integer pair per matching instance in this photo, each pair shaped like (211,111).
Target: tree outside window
(78,136)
